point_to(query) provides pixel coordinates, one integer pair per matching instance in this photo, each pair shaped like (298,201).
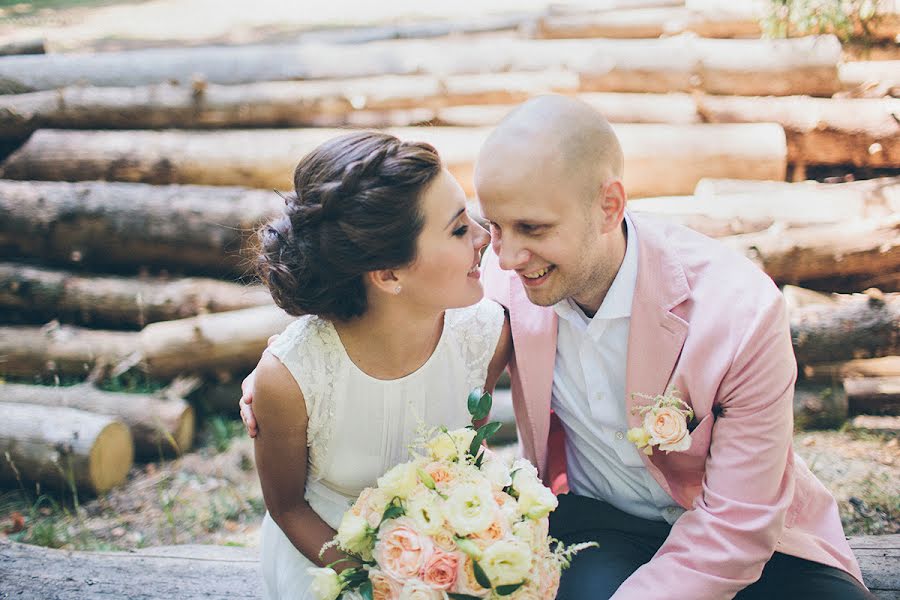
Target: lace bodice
(360,426)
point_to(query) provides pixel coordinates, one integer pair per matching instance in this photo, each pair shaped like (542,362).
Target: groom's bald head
(553,137)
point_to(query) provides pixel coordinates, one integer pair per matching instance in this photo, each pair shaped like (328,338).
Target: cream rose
(384,587)
(325,584)
(496,471)
(425,511)
(465,579)
(418,590)
(506,562)
(400,551)
(353,535)
(451,445)
(371,505)
(536,501)
(400,481)
(470,508)
(440,571)
(667,428)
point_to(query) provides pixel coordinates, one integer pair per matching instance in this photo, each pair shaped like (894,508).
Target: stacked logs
(128,208)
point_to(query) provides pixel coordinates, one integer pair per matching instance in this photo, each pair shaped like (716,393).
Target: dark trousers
(626,542)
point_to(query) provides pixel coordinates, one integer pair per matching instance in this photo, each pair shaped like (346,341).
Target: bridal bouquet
(455,522)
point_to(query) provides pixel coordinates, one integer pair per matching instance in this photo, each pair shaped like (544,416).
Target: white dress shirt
(589,398)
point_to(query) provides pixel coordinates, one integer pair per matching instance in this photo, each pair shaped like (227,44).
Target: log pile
(133,182)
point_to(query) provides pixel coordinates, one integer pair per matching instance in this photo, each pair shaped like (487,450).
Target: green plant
(850,20)
(221,431)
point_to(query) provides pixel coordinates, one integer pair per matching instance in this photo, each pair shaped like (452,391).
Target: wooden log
(739,67)
(39,295)
(860,132)
(17,47)
(646,23)
(819,406)
(843,326)
(887,366)
(129,226)
(659,159)
(873,395)
(795,255)
(760,67)
(63,447)
(872,78)
(170,572)
(159,426)
(233,572)
(368,102)
(207,344)
(729,207)
(876,424)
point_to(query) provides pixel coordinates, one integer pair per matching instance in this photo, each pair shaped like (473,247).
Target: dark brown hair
(355,209)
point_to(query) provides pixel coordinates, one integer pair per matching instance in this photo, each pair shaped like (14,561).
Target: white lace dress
(359,426)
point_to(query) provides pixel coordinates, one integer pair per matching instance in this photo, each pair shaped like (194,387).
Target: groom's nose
(511,255)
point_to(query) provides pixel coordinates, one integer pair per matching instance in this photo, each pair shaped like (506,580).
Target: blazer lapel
(656,335)
(534,338)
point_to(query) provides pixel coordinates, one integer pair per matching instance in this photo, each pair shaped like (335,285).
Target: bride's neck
(391,340)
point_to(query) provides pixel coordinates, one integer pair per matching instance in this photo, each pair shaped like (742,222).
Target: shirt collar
(617,303)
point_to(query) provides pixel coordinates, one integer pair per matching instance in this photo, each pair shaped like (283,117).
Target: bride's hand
(247,399)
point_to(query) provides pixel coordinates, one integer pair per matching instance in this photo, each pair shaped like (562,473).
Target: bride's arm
(280,444)
(501,357)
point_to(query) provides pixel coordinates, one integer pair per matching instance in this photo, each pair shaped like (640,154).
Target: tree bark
(819,407)
(63,447)
(646,23)
(23,46)
(791,256)
(159,426)
(720,208)
(745,67)
(368,102)
(887,366)
(873,395)
(843,326)
(820,131)
(659,159)
(225,342)
(39,295)
(116,226)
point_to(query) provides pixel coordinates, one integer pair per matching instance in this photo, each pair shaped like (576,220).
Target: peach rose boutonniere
(665,424)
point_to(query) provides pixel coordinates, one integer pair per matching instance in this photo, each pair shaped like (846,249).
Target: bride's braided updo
(355,209)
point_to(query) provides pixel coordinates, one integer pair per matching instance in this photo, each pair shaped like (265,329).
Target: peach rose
(383,586)
(668,428)
(494,532)
(400,551)
(440,474)
(465,578)
(443,539)
(417,590)
(441,569)
(370,506)
(547,577)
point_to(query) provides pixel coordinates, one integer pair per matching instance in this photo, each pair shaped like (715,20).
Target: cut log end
(111,457)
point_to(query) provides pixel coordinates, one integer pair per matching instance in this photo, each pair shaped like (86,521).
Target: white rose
(353,534)
(400,481)
(451,445)
(496,471)
(425,512)
(506,562)
(535,499)
(470,508)
(523,466)
(417,590)
(325,584)
(667,427)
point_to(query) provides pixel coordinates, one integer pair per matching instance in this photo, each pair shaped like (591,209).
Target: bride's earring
(397,289)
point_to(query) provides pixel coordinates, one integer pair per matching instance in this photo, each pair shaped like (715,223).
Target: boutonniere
(665,423)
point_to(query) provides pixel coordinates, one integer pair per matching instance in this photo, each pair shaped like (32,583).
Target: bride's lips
(536,277)
(474,272)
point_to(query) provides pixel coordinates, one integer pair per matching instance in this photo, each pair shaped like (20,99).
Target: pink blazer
(709,323)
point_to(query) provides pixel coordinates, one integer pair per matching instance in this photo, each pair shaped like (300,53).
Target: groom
(609,309)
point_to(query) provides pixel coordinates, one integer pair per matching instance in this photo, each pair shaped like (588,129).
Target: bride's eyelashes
(461,230)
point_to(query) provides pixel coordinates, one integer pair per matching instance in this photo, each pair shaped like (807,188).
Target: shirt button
(620,435)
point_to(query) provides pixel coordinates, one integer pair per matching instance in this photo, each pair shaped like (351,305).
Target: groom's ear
(384,280)
(611,202)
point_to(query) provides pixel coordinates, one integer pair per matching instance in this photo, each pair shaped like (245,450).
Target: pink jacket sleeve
(722,544)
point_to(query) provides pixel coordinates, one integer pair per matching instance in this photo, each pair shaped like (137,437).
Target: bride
(377,252)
